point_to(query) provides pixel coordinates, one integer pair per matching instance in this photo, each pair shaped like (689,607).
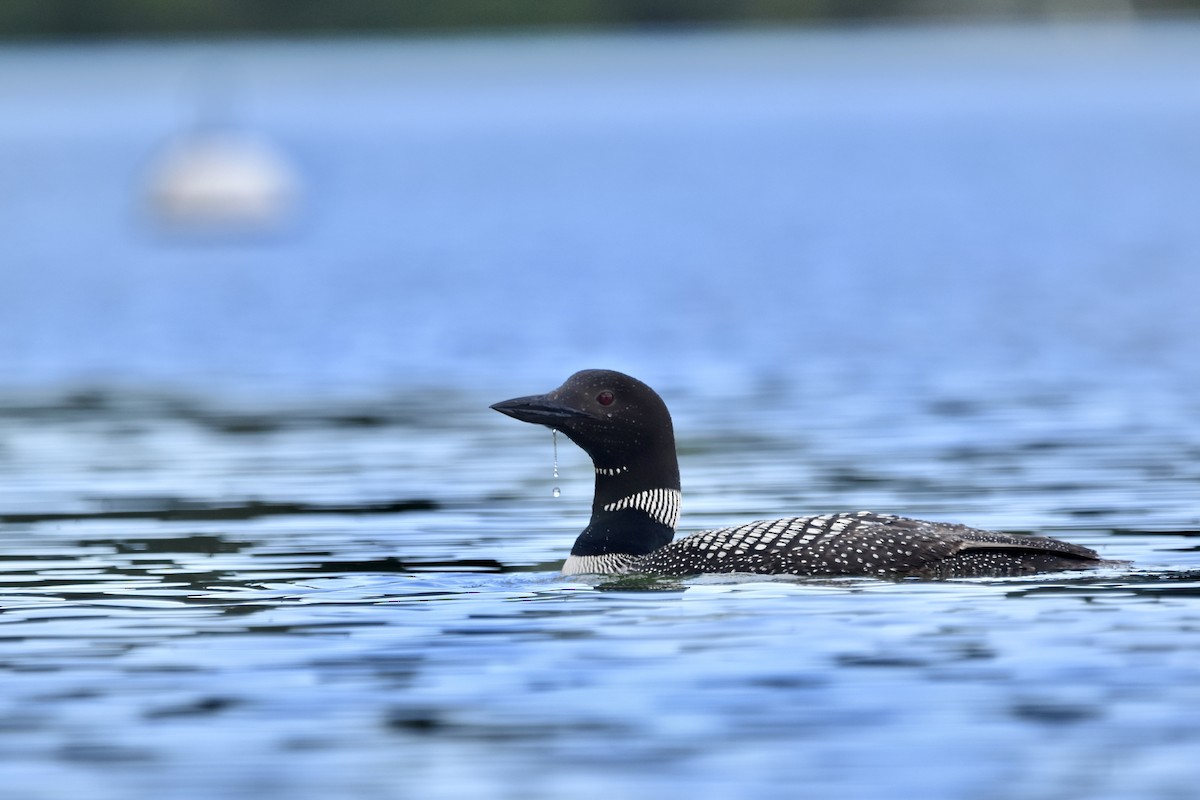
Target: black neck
(632,531)
(628,531)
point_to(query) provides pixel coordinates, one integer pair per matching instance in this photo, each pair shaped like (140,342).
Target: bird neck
(635,509)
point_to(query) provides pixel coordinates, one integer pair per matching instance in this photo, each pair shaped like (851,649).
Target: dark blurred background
(100,18)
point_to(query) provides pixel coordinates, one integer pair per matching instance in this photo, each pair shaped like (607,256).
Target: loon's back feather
(861,543)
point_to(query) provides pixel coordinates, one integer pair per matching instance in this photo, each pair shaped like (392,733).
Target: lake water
(262,536)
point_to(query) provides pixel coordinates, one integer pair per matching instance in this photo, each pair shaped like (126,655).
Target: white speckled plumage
(862,543)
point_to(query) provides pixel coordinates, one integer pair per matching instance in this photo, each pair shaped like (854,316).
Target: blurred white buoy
(221,181)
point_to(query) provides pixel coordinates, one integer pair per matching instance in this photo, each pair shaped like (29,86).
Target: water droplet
(554,437)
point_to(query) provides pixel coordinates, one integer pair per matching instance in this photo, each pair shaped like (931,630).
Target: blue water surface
(260,533)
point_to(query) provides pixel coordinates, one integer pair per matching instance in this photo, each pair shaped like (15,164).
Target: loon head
(617,420)
(624,426)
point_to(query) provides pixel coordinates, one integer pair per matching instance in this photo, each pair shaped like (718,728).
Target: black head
(617,420)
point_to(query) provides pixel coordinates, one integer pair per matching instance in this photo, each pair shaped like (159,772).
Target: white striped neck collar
(662,505)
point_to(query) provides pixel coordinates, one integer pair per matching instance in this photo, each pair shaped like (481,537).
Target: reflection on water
(324,568)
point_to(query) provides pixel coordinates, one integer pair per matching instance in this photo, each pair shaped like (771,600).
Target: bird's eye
(605,398)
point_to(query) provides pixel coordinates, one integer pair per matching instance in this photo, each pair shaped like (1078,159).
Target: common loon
(624,426)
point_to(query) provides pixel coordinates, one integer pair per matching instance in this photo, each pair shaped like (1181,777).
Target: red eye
(605,398)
